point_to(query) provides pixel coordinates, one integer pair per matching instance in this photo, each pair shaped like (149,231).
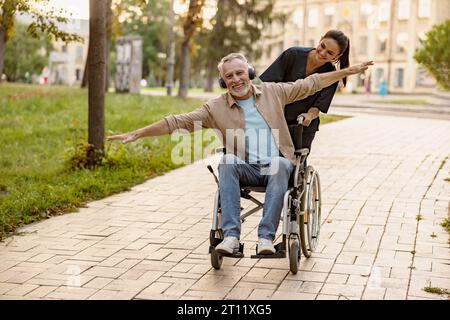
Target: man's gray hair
(228,58)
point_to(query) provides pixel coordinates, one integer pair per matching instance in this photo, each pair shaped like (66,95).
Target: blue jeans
(234,173)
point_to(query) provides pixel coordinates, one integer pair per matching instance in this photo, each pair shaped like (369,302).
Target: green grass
(40,124)
(436,290)
(175,91)
(446,224)
(40,128)
(405,102)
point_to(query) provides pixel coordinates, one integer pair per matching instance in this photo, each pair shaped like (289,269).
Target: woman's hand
(125,138)
(359,67)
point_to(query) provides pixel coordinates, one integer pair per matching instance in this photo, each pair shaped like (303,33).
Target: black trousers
(307,140)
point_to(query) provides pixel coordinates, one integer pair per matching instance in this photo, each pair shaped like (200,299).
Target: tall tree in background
(237,27)
(42,23)
(151,22)
(192,21)
(434,53)
(120,15)
(25,55)
(96,81)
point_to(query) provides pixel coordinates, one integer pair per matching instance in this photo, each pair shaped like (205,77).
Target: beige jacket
(227,117)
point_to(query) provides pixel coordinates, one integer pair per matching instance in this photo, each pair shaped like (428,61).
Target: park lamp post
(175,8)
(171,53)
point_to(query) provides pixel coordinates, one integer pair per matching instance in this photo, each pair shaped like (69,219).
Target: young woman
(298,63)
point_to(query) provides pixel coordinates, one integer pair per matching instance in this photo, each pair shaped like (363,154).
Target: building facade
(386,31)
(67,61)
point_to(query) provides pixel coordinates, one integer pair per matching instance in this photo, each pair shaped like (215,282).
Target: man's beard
(241,91)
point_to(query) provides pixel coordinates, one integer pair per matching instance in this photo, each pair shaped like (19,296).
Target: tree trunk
(184,70)
(211,72)
(191,21)
(171,51)
(84,81)
(109,14)
(3,40)
(2,51)
(96,75)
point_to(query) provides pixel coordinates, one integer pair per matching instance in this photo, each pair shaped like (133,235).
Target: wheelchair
(300,216)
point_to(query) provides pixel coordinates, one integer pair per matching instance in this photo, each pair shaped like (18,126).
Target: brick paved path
(378,174)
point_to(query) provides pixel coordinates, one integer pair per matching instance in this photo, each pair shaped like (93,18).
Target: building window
(313,17)
(403,9)
(269,52)
(329,13)
(297,18)
(379,76)
(424,8)
(363,45)
(78,74)
(280,47)
(423,79)
(384,11)
(64,48)
(402,42)
(399,74)
(365,11)
(382,43)
(79,53)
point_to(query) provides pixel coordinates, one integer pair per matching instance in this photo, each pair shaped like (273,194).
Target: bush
(434,54)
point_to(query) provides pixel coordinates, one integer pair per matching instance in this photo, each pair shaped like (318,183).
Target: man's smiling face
(235,75)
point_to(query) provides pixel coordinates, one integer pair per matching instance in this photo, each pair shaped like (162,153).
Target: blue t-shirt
(260,146)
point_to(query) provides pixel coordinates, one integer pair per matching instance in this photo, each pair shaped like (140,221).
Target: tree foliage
(236,27)
(43,23)
(150,21)
(191,22)
(434,54)
(25,55)
(47,23)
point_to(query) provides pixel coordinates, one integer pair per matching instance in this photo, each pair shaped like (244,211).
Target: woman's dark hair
(344,45)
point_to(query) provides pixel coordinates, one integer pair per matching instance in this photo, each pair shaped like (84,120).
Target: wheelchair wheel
(215,238)
(294,255)
(311,220)
(216,260)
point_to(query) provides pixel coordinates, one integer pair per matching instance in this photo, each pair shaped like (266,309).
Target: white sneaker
(228,245)
(265,246)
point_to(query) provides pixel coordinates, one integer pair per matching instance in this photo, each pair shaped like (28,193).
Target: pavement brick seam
(378,173)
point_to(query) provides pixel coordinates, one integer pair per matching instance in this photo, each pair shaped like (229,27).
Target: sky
(79,8)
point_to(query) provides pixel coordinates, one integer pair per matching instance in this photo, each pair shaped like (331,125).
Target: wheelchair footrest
(238,254)
(280,252)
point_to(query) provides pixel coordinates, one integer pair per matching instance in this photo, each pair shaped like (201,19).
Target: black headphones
(251,75)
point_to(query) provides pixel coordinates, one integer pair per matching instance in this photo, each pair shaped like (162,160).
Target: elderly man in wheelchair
(244,112)
(291,190)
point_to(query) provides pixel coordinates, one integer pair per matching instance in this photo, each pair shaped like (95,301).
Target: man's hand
(359,67)
(125,138)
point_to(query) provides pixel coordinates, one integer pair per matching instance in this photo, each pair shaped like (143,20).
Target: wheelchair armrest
(301,152)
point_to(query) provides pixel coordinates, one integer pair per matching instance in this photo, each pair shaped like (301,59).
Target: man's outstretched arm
(158,128)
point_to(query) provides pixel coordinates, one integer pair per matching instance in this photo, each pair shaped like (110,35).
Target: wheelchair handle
(298,132)
(212,172)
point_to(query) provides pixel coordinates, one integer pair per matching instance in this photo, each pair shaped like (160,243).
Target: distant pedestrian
(383,88)
(368,85)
